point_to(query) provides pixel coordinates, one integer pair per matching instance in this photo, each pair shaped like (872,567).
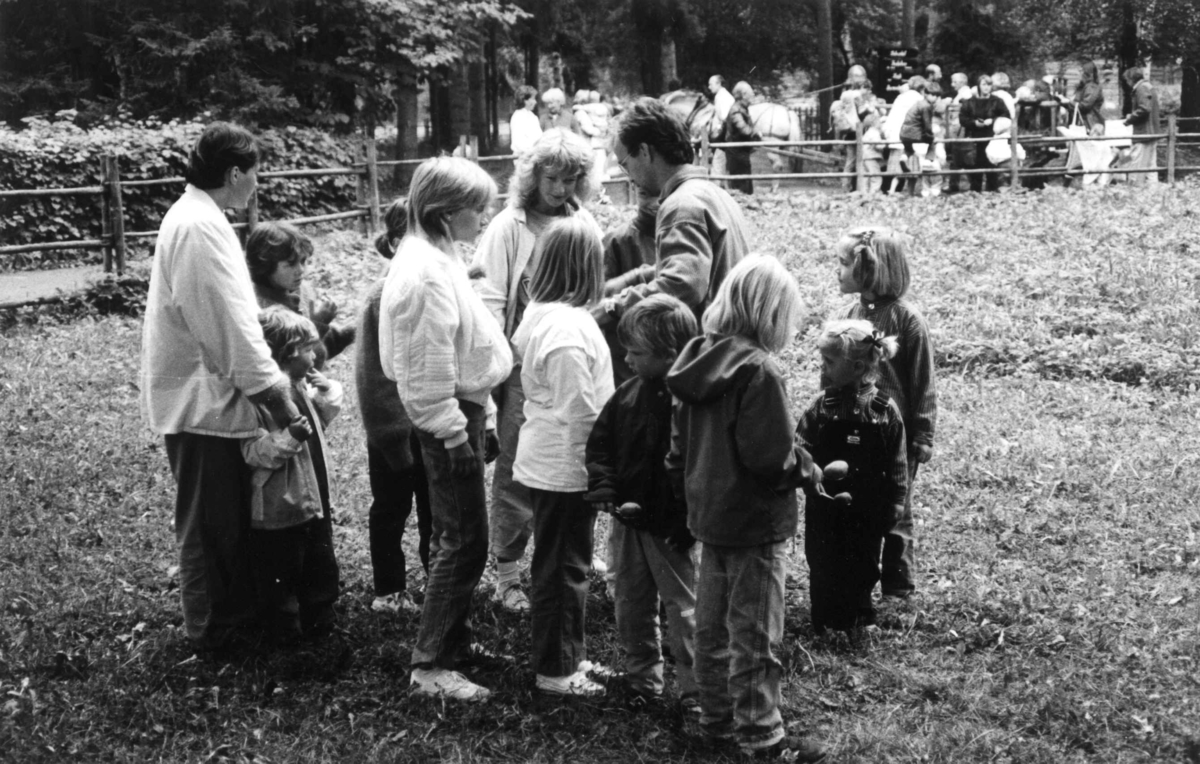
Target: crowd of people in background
(907,140)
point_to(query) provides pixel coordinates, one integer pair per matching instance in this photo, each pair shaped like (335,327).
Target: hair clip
(866,237)
(875,339)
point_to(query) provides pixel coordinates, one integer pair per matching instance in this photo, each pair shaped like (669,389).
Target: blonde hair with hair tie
(878,259)
(858,341)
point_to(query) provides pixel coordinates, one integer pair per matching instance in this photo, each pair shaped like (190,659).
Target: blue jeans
(559,574)
(457,548)
(512,510)
(739,629)
(647,570)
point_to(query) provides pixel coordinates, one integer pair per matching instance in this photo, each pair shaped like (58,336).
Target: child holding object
(277,254)
(873,262)
(735,459)
(652,550)
(851,422)
(394,465)
(566,373)
(291,538)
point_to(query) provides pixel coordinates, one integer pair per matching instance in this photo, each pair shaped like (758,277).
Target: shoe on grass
(599,566)
(795,749)
(576,684)
(396,603)
(512,598)
(596,671)
(443,683)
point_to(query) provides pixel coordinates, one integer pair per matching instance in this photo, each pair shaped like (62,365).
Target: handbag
(1095,157)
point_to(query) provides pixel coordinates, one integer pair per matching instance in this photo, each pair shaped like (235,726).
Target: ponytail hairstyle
(395,222)
(758,300)
(878,259)
(857,341)
(221,146)
(570,264)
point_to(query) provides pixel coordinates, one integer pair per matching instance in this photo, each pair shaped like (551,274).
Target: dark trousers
(297,575)
(458,548)
(842,547)
(392,495)
(738,163)
(562,525)
(982,163)
(212,524)
(897,574)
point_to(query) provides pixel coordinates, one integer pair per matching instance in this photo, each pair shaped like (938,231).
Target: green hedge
(59,154)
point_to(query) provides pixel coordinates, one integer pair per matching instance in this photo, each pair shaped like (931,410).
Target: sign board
(894,63)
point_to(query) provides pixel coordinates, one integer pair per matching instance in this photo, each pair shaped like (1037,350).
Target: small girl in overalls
(852,422)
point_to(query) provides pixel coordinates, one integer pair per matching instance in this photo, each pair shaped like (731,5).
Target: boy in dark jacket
(652,549)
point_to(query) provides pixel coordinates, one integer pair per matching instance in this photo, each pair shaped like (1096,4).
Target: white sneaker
(597,670)
(396,602)
(442,683)
(599,565)
(512,598)
(576,684)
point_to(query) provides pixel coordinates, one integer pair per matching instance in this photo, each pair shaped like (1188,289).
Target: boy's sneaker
(576,684)
(443,683)
(599,566)
(396,603)
(512,598)
(596,671)
(795,748)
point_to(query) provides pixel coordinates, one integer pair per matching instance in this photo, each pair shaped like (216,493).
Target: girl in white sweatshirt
(566,372)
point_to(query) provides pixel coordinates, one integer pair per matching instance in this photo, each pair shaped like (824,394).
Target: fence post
(372,183)
(1171,131)
(1016,163)
(116,208)
(473,148)
(106,214)
(860,178)
(360,194)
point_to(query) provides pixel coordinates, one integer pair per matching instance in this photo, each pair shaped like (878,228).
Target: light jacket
(203,351)
(566,371)
(437,340)
(284,486)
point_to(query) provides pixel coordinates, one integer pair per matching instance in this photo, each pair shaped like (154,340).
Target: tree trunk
(909,21)
(406,124)
(477,116)
(1189,92)
(670,68)
(825,60)
(1127,51)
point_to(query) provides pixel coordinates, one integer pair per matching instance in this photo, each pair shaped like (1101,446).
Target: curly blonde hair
(557,151)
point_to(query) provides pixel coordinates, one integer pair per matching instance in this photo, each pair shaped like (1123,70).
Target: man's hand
(602,312)
(462,460)
(922,452)
(491,446)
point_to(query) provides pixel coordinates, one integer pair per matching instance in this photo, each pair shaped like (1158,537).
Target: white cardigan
(437,340)
(203,350)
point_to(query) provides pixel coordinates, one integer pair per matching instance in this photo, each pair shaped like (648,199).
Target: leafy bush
(59,154)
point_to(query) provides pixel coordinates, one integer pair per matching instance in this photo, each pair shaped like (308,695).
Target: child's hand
(318,380)
(300,429)
(922,452)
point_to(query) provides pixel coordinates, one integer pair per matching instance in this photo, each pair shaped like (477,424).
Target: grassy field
(1058,612)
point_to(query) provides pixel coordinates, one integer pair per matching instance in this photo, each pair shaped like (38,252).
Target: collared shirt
(722,103)
(203,350)
(524,130)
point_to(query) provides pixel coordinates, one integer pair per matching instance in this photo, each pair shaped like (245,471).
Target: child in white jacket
(566,372)
(290,532)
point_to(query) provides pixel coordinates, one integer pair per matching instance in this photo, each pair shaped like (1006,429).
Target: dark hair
(660,324)
(395,221)
(933,88)
(1134,75)
(272,243)
(221,146)
(523,93)
(649,121)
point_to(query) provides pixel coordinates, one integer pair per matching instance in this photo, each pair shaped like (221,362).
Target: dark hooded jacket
(734,455)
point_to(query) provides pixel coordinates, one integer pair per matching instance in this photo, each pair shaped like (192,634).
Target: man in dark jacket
(700,233)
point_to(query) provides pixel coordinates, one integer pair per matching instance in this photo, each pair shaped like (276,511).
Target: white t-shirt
(566,370)
(524,131)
